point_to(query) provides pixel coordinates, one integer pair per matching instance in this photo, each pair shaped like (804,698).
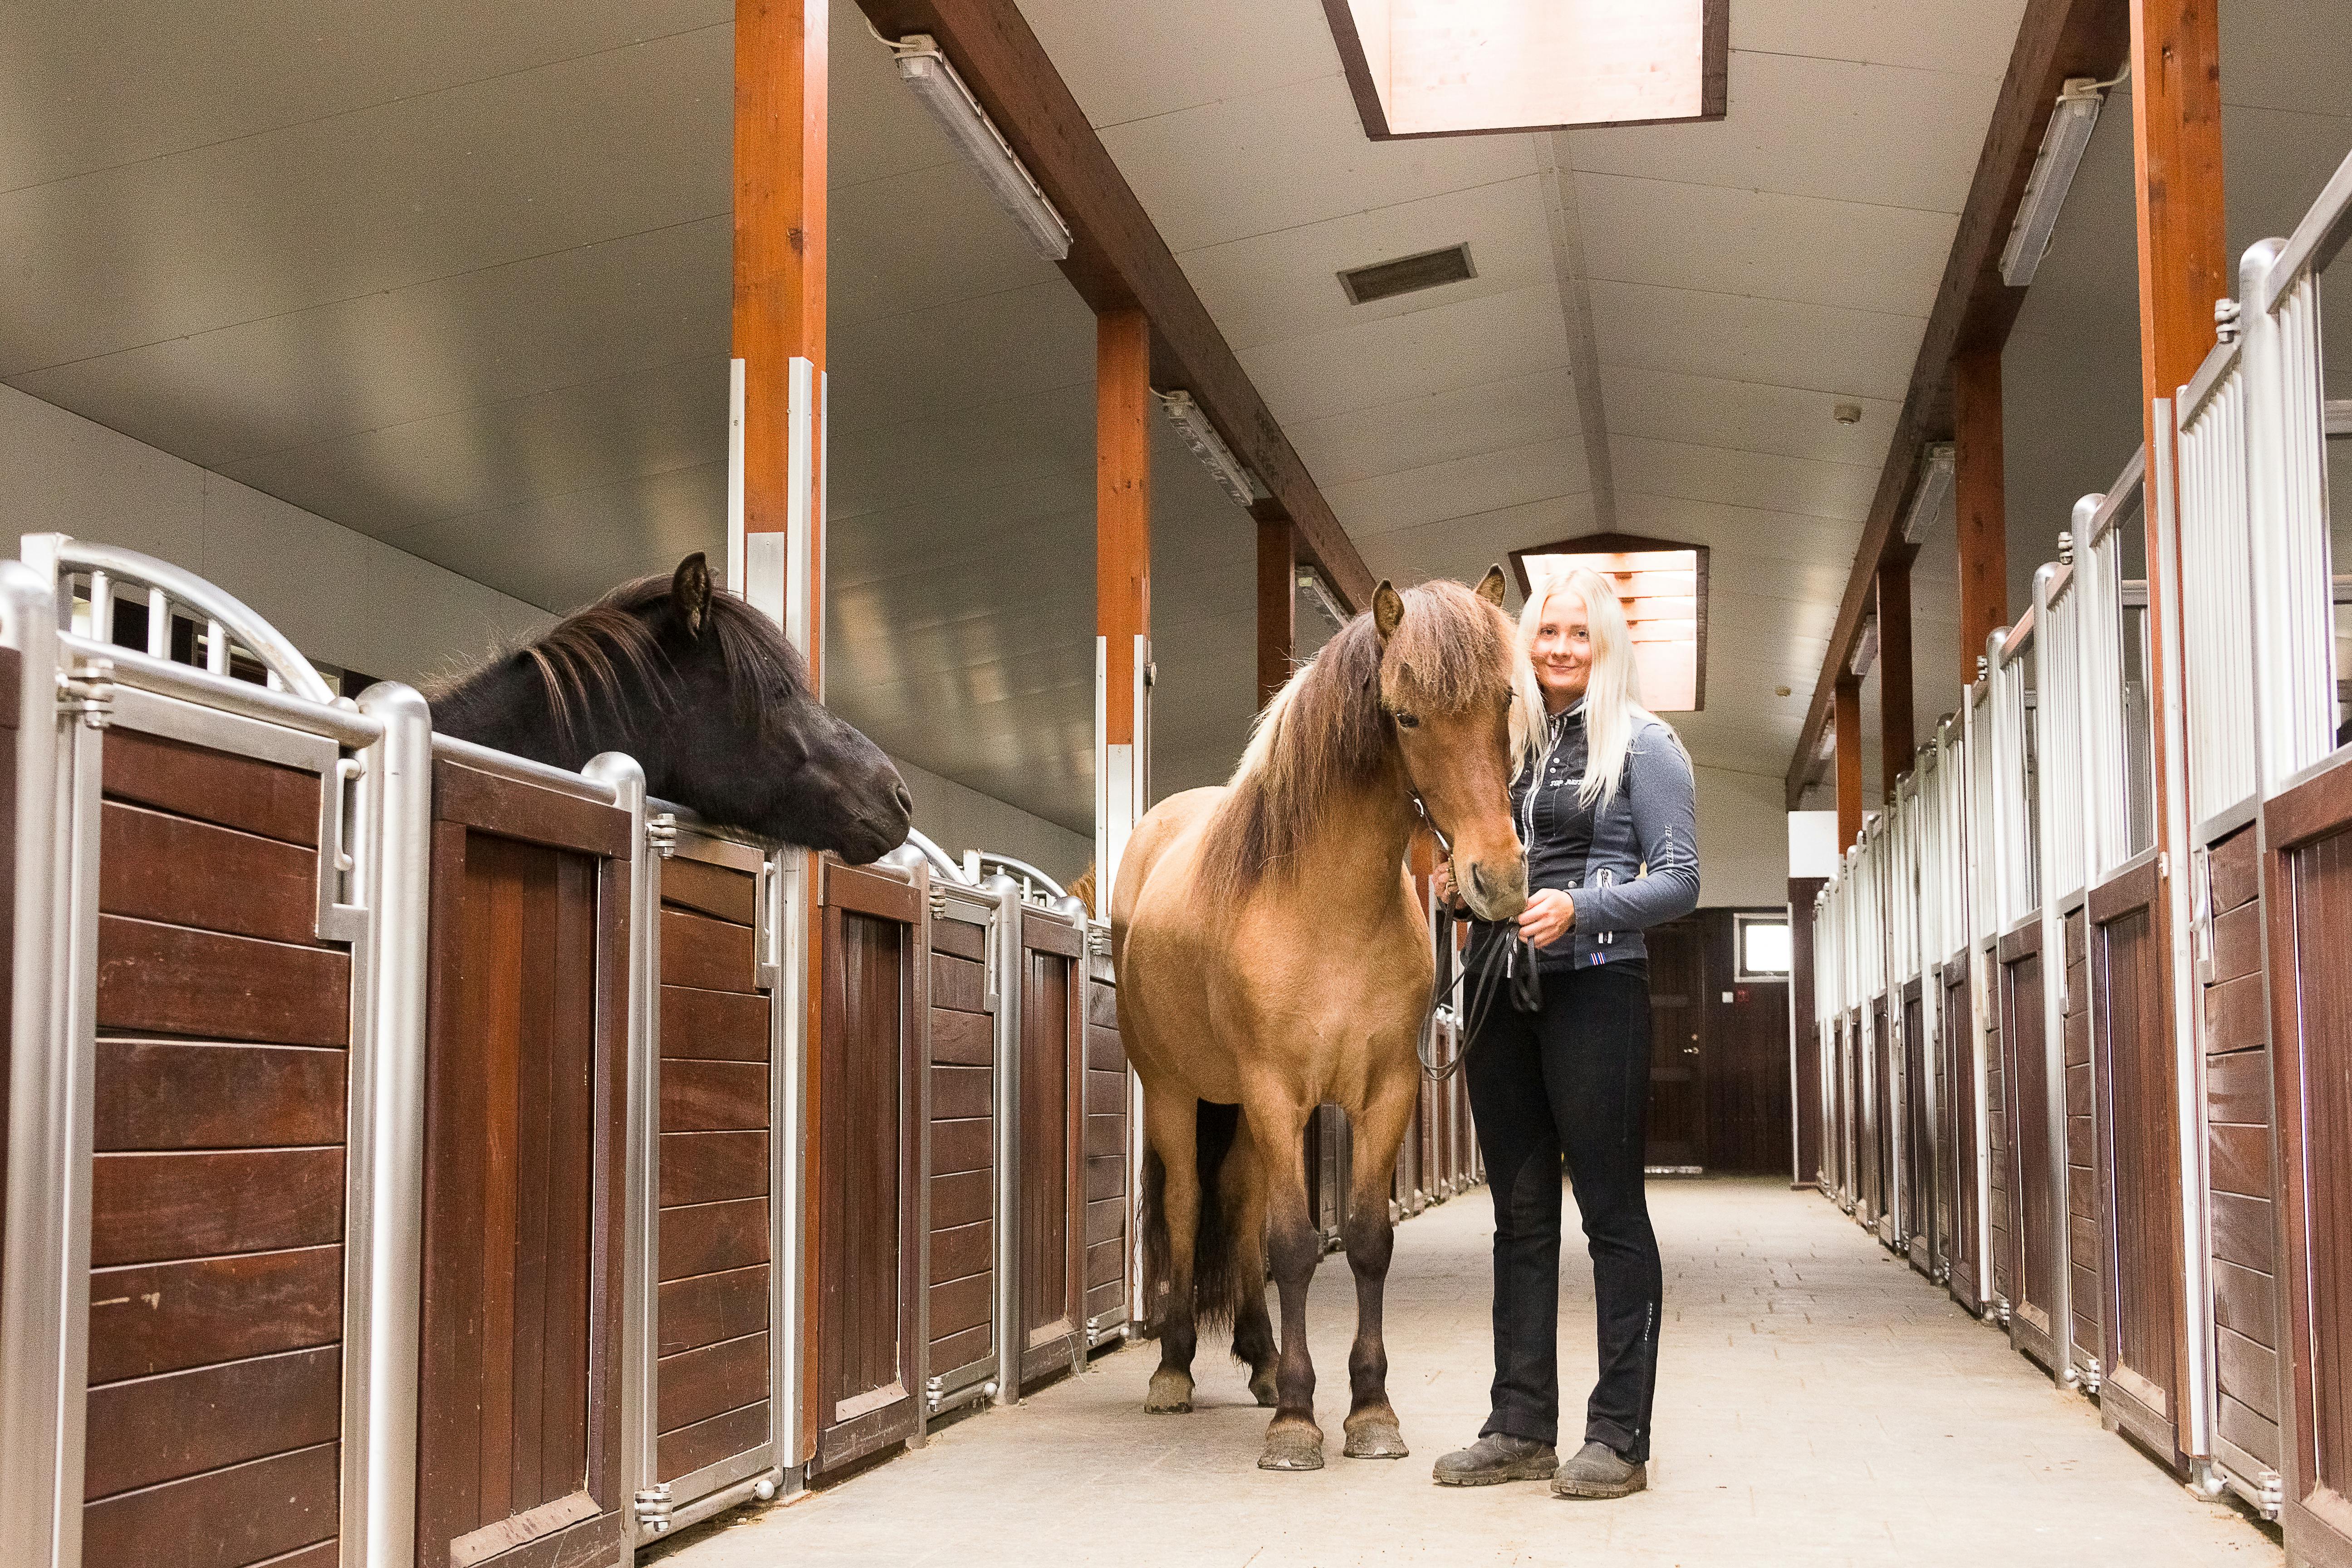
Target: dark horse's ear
(1388,609)
(1490,586)
(690,589)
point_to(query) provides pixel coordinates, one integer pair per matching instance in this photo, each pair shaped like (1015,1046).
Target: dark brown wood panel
(2245,1301)
(2233,1015)
(157,1207)
(707,955)
(156,867)
(709,1237)
(2238,1158)
(1049,1067)
(967,1145)
(960,1349)
(704,1309)
(960,938)
(697,1385)
(1102,1006)
(962,1198)
(2248,1373)
(2237,1089)
(2238,943)
(719,891)
(689,1448)
(718,1026)
(713,1096)
(149,1430)
(2235,872)
(957,1092)
(243,1514)
(959,1304)
(2039,1206)
(243,793)
(524,813)
(2141,1117)
(962,1039)
(962,1250)
(959,983)
(712,1167)
(157,1317)
(2241,1230)
(1958,1200)
(178,1094)
(164,979)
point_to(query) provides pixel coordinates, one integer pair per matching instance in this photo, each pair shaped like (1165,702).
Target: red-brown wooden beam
(1897,739)
(1277,605)
(779,316)
(1973,309)
(1980,502)
(1122,508)
(1117,259)
(2183,267)
(1849,761)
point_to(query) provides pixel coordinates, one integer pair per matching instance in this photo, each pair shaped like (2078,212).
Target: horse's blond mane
(1327,729)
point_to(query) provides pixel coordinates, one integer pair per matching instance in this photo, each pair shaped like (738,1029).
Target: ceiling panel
(1694,472)
(1972,39)
(1501,337)
(1489,481)
(1750,415)
(1739,337)
(1433,427)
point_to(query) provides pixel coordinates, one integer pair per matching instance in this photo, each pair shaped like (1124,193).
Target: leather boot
(1600,1471)
(1494,1459)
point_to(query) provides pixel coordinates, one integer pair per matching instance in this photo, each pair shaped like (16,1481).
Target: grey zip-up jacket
(1629,862)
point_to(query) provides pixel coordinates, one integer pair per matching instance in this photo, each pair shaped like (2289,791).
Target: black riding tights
(1573,1080)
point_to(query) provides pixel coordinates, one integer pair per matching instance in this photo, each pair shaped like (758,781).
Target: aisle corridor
(1819,1403)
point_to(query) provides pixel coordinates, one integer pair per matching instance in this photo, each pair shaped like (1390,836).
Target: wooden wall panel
(2135,1076)
(1104,1193)
(1956,1021)
(1053,1243)
(2085,1215)
(214,1401)
(962,1176)
(2038,1206)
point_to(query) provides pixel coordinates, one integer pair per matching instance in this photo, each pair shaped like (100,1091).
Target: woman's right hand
(1440,883)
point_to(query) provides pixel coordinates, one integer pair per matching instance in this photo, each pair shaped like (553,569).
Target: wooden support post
(775,555)
(1849,761)
(1122,586)
(1898,741)
(1278,601)
(1980,502)
(2183,269)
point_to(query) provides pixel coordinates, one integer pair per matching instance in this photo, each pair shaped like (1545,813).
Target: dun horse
(1271,958)
(706,694)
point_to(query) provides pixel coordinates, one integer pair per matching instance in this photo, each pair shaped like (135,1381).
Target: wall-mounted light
(2062,144)
(1192,423)
(1934,492)
(1310,582)
(922,67)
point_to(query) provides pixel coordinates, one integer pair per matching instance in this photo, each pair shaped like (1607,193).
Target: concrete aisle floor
(1818,1404)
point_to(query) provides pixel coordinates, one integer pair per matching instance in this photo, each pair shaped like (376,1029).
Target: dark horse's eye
(1406,722)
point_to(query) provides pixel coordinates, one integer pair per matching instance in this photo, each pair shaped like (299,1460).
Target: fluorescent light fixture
(1436,68)
(983,146)
(1193,423)
(1865,650)
(1310,582)
(1934,494)
(1662,587)
(2062,144)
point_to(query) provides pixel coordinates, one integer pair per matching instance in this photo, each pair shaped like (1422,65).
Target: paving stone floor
(1818,1404)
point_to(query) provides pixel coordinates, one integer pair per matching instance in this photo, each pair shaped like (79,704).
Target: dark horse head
(706,694)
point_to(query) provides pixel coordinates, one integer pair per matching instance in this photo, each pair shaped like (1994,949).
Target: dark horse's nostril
(1478,880)
(905,798)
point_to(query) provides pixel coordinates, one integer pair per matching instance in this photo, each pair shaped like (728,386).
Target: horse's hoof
(1261,1386)
(1298,1447)
(1375,1435)
(1170,1394)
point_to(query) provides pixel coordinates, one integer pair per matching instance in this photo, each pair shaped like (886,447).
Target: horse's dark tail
(1217,1288)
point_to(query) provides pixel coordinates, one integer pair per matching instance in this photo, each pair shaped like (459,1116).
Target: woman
(1607,810)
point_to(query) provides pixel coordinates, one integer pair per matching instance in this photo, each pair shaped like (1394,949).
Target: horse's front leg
(1373,1431)
(1278,1129)
(1170,1118)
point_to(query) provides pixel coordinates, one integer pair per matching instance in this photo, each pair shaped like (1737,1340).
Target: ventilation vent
(1408,274)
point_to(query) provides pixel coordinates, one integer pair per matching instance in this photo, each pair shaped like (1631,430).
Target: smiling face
(1562,649)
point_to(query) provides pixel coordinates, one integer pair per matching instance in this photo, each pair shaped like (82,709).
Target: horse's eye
(1407,721)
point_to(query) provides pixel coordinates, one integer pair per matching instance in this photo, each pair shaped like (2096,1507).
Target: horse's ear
(1491,586)
(1388,609)
(690,589)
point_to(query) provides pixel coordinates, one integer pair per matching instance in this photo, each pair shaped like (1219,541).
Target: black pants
(1571,1081)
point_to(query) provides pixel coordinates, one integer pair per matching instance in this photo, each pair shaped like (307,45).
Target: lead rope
(1482,998)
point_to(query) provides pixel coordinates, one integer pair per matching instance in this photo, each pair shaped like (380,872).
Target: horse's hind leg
(1277,1128)
(1373,1431)
(1254,1345)
(1170,1127)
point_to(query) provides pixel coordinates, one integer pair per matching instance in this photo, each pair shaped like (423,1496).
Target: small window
(1763,946)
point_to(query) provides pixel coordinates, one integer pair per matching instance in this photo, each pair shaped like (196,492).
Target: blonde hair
(1612,696)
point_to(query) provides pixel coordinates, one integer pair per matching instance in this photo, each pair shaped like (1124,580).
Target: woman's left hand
(1548,917)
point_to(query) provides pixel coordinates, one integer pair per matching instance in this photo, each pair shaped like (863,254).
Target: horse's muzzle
(1495,891)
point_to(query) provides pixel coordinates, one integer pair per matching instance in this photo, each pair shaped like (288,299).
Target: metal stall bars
(210,1303)
(1824,985)
(2136,1082)
(1877,1076)
(2064,857)
(1112,1151)
(1983,827)
(2305,832)
(716,1173)
(1915,983)
(1958,1166)
(2221,991)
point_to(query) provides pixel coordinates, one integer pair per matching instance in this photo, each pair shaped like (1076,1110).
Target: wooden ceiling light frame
(1715,82)
(1633,544)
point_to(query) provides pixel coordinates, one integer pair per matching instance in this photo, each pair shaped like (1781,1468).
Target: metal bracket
(938,902)
(2272,1488)
(653,1508)
(1099,943)
(2094,1378)
(661,834)
(86,688)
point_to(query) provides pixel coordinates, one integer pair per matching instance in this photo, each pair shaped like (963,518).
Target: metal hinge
(86,688)
(939,903)
(661,834)
(2272,1488)
(653,1508)
(1099,941)
(2093,1377)
(2225,320)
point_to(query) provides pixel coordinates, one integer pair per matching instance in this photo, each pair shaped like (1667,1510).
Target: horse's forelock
(1450,652)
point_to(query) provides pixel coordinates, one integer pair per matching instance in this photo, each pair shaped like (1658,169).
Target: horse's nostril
(1478,880)
(905,798)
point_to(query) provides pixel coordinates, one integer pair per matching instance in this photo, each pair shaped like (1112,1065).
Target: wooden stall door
(2000,1197)
(1053,1101)
(1678,1138)
(962,1179)
(2238,1151)
(869,1148)
(711,1310)
(2084,1219)
(2309,889)
(1105,1195)
(12,672)
(1958,1194)
(216,1192)
(1878,1119)
(1916,1148)
(518,1453)
(2138,1142)
(2035,1202)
